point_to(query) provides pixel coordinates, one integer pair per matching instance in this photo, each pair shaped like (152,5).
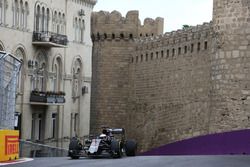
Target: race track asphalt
(142,161)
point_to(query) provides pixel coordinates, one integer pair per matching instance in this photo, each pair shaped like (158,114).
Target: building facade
(53,91)
(170,87)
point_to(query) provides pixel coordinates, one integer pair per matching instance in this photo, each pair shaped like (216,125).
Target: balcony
(49,39)
(47,98)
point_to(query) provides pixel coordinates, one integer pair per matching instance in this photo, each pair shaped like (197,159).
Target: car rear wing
(118,131)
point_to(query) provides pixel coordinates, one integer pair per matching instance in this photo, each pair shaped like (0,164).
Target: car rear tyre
(74,148)
(74,145)
(130,148)
(74,157)
(116,149)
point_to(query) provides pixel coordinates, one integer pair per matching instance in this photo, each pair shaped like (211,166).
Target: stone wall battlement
(192,40)
(104,25)
(190,33)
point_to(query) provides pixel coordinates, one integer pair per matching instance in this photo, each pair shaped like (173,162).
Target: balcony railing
(49,39)
(47,98)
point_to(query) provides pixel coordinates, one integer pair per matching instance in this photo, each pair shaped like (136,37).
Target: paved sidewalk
(22,160)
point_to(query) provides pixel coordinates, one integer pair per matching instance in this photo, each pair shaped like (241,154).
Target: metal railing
(47,97)
(46,36)
(31,149)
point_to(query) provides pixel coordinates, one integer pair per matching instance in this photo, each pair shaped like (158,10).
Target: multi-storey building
(53,91)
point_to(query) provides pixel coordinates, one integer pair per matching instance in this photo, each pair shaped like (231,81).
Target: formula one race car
(111,142)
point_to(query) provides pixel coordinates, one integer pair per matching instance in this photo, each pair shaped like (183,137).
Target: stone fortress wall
(113,37)
(166,88)
(170,85)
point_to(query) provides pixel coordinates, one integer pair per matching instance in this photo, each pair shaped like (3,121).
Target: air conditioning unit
(81,12)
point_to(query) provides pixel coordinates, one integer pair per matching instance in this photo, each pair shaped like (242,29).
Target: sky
(176,13)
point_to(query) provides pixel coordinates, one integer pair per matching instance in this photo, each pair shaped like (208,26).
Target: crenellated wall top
(104,22)
(181,35)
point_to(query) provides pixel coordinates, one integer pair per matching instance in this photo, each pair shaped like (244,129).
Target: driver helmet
(103,136)
(105,131)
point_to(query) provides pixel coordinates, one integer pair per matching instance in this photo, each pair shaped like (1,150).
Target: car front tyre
(130,147)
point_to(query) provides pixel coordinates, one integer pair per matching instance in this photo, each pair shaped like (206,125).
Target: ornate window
(58,25)
(47,20)
(21,22)
(57,69)
(76,78)
(58,22)
(38,18)
(75,28)
(15,10)
(63,24)
(82,30)
(26,13)
(43,19)
(20,54)
(54,21)
(39,73)
(79,28)
(20,11)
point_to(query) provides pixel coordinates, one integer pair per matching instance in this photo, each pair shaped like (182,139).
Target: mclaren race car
(110,142)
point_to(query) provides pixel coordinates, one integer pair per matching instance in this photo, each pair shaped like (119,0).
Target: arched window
(173,52)
(47,19)
(77,68)
(58,31)
(82,30)
(54,21)
(55,86)
(21,23)
(38,18)
(185,49)
(39,73)
(205,45)
(20,54)
(199,46)
(43,19)
(5,6)
(58,73)
(79,30)
(41,77)
(75,27)
(15,13)
(26,13)
(63,24)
